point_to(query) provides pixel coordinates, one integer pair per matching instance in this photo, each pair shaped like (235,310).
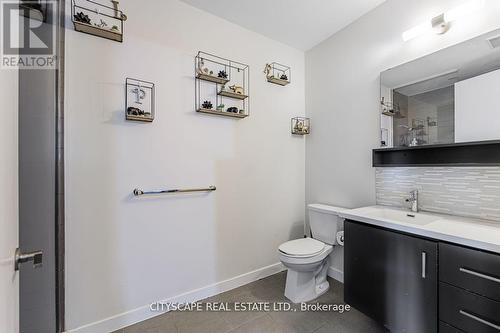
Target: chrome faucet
(413,200)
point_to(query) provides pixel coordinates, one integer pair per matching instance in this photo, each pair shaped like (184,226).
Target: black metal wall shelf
(278,74)
(222,86)
(480,153)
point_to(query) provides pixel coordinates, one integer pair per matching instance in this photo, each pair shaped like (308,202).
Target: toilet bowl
(307,259)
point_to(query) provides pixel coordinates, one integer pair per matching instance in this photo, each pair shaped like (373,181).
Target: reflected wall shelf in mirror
(479,153)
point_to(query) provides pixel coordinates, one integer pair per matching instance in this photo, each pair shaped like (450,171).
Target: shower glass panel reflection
(423,118)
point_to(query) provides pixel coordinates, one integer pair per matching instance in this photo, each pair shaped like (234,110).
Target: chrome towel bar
(137,192)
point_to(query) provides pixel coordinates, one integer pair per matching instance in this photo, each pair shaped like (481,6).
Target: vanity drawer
(473,270)
(445,328)
(468,311)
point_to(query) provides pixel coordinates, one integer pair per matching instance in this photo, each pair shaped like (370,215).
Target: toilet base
(306,286)
(322,288)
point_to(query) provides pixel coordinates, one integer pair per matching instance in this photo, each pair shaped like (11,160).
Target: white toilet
(307,258)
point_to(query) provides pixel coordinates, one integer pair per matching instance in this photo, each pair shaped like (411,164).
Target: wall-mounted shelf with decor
(222,113)
(278,74)
(139,100)
(231,94)
(92,30)
(480,153)
(221,86)
(211,78)
(301,126)
(93,18)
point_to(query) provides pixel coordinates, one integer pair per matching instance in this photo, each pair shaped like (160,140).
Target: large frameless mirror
(449,96)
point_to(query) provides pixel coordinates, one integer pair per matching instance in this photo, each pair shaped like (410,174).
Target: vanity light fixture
(441,23)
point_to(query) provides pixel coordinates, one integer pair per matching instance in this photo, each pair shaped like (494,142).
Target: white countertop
(480,234)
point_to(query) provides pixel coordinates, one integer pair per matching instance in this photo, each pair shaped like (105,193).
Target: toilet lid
(302,247)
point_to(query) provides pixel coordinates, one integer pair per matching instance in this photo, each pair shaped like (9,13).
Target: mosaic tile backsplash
(465,191)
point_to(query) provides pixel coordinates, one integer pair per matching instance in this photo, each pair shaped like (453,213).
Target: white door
(9,279)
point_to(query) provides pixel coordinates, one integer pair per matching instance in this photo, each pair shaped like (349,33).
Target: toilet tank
(325,222)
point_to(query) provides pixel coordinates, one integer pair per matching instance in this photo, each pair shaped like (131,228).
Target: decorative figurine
(101,24)
(232,109)
(284,77)
(207,71)
(202,69)
(201,63)
(122,17)
(81,17)
(220,107)
(207,105)
(299,125)
(222,74)
(268,70)
(140,94)
(237,89)
(136,111)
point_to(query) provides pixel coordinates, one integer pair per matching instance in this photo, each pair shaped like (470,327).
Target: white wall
(477,105)
(342,93)
(9,280)
(123,253)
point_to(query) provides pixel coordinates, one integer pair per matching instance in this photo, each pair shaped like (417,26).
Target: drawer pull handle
(484,276)
(424,265)
(482,321)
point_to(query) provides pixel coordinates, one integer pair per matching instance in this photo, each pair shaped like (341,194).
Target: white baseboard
(128,318)
(336,274)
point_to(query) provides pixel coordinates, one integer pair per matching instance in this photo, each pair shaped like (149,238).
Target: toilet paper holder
(340,238)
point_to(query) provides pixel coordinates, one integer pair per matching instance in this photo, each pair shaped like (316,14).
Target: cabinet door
(391,277)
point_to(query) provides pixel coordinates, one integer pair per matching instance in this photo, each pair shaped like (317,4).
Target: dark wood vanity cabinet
(470,269)
(391,277)
(469,289)
(411,284)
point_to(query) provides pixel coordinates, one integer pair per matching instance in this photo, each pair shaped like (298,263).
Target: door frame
(59,165)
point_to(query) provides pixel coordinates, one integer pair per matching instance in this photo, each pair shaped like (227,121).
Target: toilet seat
(302,248)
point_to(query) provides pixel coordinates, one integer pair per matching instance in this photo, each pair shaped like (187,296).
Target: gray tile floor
(270,289)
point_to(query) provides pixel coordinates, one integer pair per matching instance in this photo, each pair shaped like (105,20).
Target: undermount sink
(400,216)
